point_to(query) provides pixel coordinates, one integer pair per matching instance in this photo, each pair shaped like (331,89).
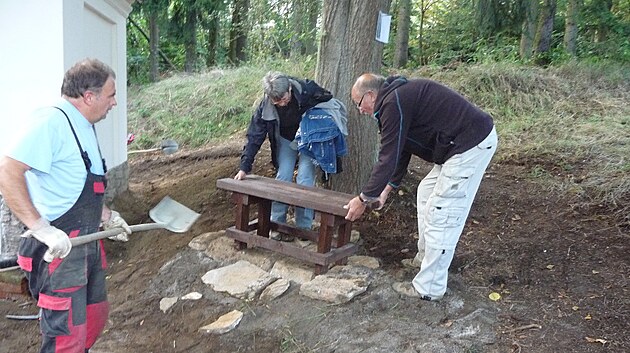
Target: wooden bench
(328,204)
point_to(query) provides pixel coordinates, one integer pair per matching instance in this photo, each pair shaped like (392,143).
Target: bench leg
(242,216)
(264,218)
(324,240)
(343,237)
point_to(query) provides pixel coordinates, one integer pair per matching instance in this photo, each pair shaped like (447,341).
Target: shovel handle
(84,239)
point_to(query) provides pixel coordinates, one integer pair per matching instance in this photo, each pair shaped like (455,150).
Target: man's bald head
(367,82)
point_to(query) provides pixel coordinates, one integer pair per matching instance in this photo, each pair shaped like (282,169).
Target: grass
(569,126)
(197,109)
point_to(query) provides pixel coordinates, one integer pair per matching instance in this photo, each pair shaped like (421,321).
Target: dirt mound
(562,274)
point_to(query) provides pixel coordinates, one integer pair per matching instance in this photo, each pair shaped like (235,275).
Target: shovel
(168,214)
(167,146)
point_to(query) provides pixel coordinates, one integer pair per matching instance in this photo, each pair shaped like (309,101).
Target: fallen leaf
(550,267)
(475,221)
(516,217)
(595,340)
(494,296)
(575,308)
(595,272)
(449,323)
(588,317)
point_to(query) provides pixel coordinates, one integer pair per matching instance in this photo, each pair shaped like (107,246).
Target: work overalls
(71,291)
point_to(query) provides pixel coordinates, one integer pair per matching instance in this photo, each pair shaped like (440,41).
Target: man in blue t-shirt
(53,179)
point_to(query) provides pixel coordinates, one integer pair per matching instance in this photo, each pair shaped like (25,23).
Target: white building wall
(39,41)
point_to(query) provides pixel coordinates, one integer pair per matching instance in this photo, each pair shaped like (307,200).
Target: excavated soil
(562,271)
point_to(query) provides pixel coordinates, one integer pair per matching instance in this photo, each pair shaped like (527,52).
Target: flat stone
(406,289)
(338,286)
(225,323)
(201,242)
(167,303)
(366,261)
(355,236)
(292,270)
(275,290)
(223,249)
(192,296)
(241,279)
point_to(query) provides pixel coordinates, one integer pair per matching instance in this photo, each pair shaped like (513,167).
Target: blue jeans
(306,176)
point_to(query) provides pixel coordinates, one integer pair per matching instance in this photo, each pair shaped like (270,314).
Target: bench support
(330,249)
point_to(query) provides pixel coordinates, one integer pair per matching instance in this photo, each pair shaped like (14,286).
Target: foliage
(490,30)
(197,109)
(453,31)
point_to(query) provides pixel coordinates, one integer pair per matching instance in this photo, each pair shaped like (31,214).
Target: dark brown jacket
(423,118)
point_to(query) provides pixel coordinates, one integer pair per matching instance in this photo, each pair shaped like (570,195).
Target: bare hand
(240,175)
(355,209)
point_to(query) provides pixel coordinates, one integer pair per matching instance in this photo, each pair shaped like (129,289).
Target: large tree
(348,49)
(238,32)
(424,8)
(571,26)
(402,34)
(528,30)
(542,40)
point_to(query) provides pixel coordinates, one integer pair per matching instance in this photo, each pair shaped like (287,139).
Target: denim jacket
(322,134)
(265,121)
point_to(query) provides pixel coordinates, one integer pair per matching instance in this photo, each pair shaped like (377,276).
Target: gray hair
(86,75)
(275,85)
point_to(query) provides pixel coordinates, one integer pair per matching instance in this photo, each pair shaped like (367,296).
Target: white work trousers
(444,199)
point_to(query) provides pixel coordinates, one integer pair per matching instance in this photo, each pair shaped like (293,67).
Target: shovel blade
(173,215)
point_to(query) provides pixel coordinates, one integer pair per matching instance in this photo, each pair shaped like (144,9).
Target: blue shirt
(46,144)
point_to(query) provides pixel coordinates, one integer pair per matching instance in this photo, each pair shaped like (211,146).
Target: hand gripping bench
(261,191)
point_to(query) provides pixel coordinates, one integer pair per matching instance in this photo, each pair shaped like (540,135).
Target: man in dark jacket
(427,119)
(278,117)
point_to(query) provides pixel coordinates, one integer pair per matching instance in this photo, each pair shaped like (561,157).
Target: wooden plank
(319,199)
(292,250)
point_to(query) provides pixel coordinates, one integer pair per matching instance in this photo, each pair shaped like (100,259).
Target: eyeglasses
(361,100)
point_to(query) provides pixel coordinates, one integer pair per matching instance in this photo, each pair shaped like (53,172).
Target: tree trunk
(542,41)
(486,18)
(190,40)
(154,39)
(421,59)
(402,34)
(297,27)
(348,49)
(238,33)
(213,32)
(310,40)
(570,27)
(424,7)
(528,31)
(602,29)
